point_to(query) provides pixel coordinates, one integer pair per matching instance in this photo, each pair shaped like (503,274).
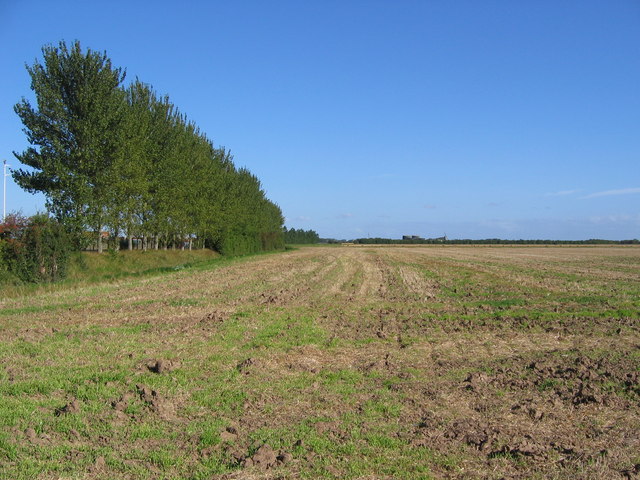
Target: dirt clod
(471,432)
(284,458)
(475,380)
(122,403)
(243,367)
(214,317)
(147,395)
(156,402)
(99,466)
(229,434)
(30,433)
(264,458)
(71,407)
(632,472)
(159,366)
(527,448)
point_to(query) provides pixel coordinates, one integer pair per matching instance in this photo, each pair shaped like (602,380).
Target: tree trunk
(99,244)
(130,242)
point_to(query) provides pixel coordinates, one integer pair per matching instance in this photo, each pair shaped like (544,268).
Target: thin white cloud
(620,218)
(561,193)
(504,225)
(608,193)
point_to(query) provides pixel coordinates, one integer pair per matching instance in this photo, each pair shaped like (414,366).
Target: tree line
(300,236)
(122,160)
(488,241)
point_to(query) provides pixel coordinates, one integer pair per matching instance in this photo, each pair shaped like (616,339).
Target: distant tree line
(299,236)
(488,241)
(116,160)
(332,241)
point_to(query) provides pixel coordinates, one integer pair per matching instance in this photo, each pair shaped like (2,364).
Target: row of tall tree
(300,236)
(124,160)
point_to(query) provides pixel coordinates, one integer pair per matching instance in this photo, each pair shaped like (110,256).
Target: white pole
(4,190)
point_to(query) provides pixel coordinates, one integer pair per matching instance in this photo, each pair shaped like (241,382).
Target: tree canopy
(124,160)
(300,236)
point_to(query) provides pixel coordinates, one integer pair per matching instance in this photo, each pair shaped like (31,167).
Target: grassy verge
(90,267)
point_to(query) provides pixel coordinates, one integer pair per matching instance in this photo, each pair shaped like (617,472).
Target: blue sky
(510,119)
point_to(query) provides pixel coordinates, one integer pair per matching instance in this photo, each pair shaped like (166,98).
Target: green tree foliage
(126,161)
(34,249)
(294,236)
(74,133)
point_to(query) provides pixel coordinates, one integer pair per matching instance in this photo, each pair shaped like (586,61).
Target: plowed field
(345,362)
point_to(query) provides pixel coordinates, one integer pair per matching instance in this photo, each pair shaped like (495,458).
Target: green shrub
(242,243)
(34,249)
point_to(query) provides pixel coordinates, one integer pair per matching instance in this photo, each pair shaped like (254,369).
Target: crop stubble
(351,362)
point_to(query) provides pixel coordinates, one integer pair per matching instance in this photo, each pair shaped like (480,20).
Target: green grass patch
(287,331)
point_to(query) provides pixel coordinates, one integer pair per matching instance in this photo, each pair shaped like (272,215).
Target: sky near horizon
(474,119)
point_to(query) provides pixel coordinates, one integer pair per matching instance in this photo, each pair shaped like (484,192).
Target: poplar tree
(131,197)
(74,133)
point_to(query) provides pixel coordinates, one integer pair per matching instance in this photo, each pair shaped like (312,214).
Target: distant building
(411,237)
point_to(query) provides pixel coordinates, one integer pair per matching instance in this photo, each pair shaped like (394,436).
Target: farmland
(332,362)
